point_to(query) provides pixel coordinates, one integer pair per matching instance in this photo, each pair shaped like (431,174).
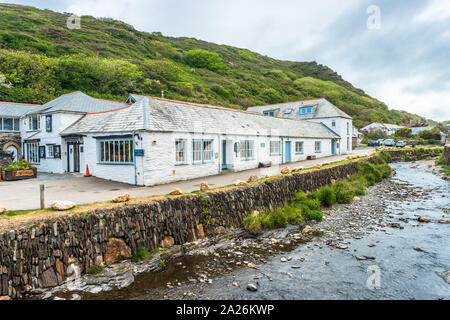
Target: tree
(404,132)
(433,134)
(205,59)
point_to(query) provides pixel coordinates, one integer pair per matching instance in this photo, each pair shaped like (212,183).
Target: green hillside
(40,58)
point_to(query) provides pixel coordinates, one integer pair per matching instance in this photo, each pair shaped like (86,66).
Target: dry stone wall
(39,256)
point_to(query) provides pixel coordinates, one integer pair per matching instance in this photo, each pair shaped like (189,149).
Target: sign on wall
(48,123)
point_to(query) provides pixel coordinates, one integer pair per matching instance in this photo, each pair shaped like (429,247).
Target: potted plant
(20,170)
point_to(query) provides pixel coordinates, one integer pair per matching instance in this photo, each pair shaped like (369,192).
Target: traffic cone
(88,174)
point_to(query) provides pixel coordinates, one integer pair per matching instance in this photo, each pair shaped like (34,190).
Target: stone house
(321,111)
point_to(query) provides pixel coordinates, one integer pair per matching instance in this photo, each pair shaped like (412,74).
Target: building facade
(385,128)
(150,141)
(321,111)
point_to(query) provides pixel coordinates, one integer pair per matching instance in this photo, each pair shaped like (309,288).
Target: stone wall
(5,139)
(38,256)
(414,154)
(447,156)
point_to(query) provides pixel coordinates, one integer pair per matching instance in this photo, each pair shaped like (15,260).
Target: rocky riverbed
(380,233)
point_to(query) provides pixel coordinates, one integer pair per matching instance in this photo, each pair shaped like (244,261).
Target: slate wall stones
(447,156)
(43,255)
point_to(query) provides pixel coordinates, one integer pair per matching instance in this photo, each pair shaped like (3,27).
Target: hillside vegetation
(40,59)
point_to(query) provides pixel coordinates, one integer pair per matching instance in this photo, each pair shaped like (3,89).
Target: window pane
(8,124)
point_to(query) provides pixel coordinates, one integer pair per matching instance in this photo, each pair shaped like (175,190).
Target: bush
(207,60)
(326,196)
(404,133)
(370,169)
(20,165)
(358,188)
(312,214)
(343,191)
(313,204)
(385,170)
(141,255)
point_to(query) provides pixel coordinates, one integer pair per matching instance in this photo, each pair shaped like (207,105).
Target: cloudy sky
(400,56)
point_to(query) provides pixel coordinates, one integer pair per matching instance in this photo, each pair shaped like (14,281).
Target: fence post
(42,187)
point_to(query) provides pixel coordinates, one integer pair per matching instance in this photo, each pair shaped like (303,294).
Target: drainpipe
(135,160)
(220,153)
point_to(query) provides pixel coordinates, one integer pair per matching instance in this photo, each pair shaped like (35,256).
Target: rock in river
(252,288)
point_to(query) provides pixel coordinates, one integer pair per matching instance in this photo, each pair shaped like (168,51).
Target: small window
(318,147)
(348,128)
(197,150)
(33,122)
(247,149)
(270,113)
(180,151)
(306,110)
(50,149)
(334,124)
(208,150)
(299,147)
(275,148)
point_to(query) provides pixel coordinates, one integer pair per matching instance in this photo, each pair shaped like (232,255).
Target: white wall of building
(340,127)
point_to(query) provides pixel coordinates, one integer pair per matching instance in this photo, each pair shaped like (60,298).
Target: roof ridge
(297,101)
(25,104)
(112,110)
(225,109)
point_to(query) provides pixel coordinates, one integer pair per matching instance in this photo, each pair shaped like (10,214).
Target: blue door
(224,155)
(288,152)
(333,147)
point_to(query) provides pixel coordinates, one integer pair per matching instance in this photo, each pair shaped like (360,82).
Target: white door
(13,150)
(70,157)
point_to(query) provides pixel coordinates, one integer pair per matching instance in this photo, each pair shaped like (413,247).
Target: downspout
(220,153)
(135,167)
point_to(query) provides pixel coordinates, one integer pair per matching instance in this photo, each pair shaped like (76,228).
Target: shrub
(207,60)
(313,204)
(368,168)
(358,188)
(141,255)
(326,196)
(385,170)
(343,192)
(313,215)
(20,165)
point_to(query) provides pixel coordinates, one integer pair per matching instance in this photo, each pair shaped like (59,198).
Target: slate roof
(156,114)
(376,125)
(322,109)
(16,110)
(79,102)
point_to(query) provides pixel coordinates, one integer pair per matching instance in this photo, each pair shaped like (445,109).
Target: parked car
(380,142)
(373,144)
(401,144)
(389,143)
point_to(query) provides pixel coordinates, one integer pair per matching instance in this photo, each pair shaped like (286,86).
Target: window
(348,128)
(50,151)
(306,110)
(318,147)
(9,124)
(208,150)
(299,147)
(33,122)
(334,124)
(116,151)
(270,113)
(202,150)
(287,112)
(180,151)
(32,154)
(247,150)
(348,144)
(275,148)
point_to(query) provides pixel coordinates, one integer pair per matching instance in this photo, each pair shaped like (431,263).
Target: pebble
(252,288)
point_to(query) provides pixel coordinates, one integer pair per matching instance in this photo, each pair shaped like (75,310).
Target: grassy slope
(41,58)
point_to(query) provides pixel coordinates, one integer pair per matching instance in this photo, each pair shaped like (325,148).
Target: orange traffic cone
(88,174)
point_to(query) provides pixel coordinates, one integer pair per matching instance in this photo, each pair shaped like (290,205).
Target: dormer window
(270,113)
(306,110)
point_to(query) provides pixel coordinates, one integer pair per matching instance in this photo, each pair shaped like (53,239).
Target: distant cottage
(149,141)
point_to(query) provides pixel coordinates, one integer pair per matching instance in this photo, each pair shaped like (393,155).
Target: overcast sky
(403,58)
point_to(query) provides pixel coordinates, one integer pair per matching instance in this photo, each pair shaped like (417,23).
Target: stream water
(394,262)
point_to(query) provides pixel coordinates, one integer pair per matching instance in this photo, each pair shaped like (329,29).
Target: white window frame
(30,122)
(50,149)
(32,152)
(202,151)
(180,151)
(247,151)
(15,124)
(302,144)
(275,148)
(318,143)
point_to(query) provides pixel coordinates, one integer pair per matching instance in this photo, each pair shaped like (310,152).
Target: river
(393,256)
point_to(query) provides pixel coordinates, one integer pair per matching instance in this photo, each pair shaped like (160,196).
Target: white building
(321,111)
(150,141)
(385,128)
(156,141)
(416,130)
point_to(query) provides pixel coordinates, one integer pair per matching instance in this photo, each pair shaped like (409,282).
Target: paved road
(24,195)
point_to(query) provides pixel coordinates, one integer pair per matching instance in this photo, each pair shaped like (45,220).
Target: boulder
(356,199)
(308,231)
(425,220)
(204,186)
(252,179)
(121,199)
(297,169)
(176,192)
(116,251)
(63,205)
(252,288)
(221,230)
(167,242)
(240,183)
(285,170)
(4,298)
(265,164)
(3,211)
(317,166)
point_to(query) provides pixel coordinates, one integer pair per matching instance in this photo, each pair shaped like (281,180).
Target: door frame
(76,160)
(224,155)
(288,151)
